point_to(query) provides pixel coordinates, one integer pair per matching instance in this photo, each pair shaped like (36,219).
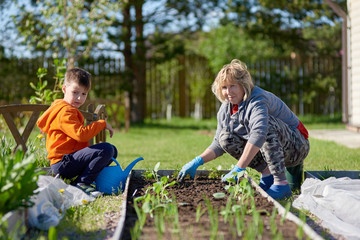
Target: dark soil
(190,194)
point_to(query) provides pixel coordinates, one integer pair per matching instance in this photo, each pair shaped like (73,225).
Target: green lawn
(179,141)
(175,143)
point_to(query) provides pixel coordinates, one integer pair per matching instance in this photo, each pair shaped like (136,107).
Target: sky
(13,44)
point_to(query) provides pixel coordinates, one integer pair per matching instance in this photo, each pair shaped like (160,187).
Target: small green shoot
(199,213)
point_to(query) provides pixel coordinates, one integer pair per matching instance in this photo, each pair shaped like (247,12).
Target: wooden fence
(183,85)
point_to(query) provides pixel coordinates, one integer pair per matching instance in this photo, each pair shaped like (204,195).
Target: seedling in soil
(275,234)
(287,209)
(152,174)
(159,222)
(300,230)
(215,173)
(139,224)
(159,188)
(241,189)
(227,211)
(240,205)
(214,218)
(199,213)
(240,211)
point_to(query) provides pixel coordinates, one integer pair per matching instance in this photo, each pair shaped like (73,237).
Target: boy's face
(74,94)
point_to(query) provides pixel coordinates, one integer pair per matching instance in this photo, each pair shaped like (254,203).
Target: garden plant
(204,208)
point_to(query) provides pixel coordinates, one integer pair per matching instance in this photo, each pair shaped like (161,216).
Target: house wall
(354,63)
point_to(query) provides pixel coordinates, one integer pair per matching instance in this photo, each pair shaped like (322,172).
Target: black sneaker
(89,190)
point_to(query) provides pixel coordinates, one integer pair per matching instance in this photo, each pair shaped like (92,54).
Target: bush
(18,177)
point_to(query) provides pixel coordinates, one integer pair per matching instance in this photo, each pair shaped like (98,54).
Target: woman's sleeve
(258,123)
(215,145)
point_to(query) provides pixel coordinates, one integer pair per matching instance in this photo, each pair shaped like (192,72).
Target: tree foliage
(284,22)
(72,27)
(160,30)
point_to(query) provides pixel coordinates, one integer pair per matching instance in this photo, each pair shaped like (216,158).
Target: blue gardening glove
(190,168)
(230,175)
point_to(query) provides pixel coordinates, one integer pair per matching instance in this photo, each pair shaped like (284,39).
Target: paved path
(341,136)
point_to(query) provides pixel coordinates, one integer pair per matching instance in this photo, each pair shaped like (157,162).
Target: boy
(67,142)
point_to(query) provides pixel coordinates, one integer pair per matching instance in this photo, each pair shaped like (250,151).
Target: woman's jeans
(86,163)
(284,147)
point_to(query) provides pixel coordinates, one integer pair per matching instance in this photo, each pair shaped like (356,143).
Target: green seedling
(214,218)
(215,173)
(275,233)
(159,223)
(199,212)
(241,190)
(152,174)
(227,211)
(174,212)
(287,209)
(240,211)
(160,188)
(300,230)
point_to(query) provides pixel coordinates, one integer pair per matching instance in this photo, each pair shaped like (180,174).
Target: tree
(283,22)
(65,27)
(228,42)
(127,31)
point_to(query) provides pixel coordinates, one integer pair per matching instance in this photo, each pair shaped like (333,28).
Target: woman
(255,127)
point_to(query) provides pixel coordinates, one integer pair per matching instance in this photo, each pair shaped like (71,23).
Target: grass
(89,221)
(328,155)
(175,143)
(170,143)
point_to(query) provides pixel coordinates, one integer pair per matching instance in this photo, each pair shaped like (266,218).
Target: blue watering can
(112,179)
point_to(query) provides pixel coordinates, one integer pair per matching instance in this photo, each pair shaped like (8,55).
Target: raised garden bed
(204,211)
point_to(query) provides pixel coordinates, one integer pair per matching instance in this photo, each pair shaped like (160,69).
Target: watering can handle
(115,161)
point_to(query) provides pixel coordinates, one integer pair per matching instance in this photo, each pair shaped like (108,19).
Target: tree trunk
(182,87)
(138,109)
(126,32)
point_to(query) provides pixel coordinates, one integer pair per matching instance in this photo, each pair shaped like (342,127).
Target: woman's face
(233,92)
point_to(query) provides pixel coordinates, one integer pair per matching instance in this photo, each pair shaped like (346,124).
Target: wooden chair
(8,111)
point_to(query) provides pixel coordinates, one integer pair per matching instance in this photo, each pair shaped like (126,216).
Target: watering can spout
(131,165)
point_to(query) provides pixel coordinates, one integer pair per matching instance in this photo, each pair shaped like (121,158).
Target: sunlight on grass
(325,155)
(92,218)
(177,142)
(172,144)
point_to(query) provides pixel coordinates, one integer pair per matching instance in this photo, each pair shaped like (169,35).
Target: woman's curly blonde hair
(237,72)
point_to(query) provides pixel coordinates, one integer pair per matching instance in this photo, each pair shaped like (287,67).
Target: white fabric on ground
(50,204)
(336,201)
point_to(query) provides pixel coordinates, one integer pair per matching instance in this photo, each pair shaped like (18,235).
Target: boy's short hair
(79,76)
(237,72)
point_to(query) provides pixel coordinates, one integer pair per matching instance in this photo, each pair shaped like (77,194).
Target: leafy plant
(43,94)
(18,177)
(152,174)
(215,173)
(36,146)
(241,190)
(159,188)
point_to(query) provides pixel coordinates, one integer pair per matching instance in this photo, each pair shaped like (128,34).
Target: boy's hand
(111,130)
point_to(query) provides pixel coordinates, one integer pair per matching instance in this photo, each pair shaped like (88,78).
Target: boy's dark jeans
(86,163)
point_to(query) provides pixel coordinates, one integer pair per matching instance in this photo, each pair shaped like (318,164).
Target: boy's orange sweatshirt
(65,128)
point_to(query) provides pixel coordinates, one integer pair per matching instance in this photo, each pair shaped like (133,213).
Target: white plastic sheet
(51,199)
(336,201)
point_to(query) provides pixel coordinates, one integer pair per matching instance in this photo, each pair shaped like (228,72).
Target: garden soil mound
(190,194)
